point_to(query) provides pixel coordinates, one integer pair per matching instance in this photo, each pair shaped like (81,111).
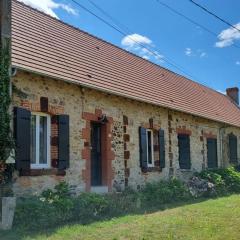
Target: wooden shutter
(212,153)
(233,148)
(162,148)
(63,142)
(143,147)
(54,141)
(22,131)
(184,151)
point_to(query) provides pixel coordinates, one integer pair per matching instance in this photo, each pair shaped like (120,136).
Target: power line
(109,16)
(127,33)
(191,20)
(169,61)
(214,15)
(187,18)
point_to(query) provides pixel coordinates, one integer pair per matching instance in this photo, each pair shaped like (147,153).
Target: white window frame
(152,150)
(38,165)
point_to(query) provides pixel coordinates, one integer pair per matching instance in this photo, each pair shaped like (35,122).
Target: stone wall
(126,117)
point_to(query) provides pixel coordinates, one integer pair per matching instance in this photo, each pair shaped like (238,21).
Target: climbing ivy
(6,139)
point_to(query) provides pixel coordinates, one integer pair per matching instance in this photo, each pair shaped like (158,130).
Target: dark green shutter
(212,153)
(162,148)
(233,149)
(22,131)
(184,151)
(63,142)
(143,147)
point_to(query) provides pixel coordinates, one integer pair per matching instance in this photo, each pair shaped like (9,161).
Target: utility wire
(114,20)
(169,61)
(128,32)
(187,18)
(214,15)
(191,20)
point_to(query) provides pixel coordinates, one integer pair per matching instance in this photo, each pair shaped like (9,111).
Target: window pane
(149,136)
(33,139)
(43,140)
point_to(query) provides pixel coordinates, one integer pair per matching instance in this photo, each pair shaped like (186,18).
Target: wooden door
(96,155)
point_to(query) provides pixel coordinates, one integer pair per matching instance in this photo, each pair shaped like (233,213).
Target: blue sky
(171,36)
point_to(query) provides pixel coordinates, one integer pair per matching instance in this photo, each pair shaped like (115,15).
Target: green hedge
(56,207)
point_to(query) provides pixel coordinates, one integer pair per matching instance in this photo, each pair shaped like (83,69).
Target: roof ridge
(122,49)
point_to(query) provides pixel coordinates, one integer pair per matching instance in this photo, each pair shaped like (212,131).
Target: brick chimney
(233,93)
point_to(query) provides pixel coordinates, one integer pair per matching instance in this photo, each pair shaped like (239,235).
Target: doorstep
(99,189)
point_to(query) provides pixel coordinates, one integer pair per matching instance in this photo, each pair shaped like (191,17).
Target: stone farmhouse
(102,119)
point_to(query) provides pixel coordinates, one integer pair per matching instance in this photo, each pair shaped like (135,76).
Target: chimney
(233,93)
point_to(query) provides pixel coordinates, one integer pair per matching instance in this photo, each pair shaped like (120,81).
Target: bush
(89,207)
(199,187)
(52,208)
(226,180)
(164,192)
(128,201)
(231,178)
(55,207)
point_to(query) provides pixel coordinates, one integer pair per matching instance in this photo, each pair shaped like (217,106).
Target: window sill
(43,172)
(151,169)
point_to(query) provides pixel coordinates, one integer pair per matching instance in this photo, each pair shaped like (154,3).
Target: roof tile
(47,46)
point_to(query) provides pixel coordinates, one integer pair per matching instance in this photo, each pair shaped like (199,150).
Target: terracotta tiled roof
(50,47)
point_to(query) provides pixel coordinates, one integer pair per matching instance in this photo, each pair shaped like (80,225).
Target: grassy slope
(212,219)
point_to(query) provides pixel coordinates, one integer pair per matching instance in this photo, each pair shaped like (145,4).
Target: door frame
(107,154)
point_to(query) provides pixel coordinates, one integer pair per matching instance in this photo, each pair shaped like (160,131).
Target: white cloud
(228,36)
(130,40)
(237,62)
(48,6)
(142,46)
(146,57)
(188,52)
(197,53)
(222,92)
(203,54)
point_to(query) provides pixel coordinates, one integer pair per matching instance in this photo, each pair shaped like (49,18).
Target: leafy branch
(6,138)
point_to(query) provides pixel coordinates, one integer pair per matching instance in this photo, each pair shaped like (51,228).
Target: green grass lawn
(211,219)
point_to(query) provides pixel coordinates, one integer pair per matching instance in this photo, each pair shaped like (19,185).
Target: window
(233,149)
(150,154)
(184,151)
(212,153)
(40,141)
(152,148)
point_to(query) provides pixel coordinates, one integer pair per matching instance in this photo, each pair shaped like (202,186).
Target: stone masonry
(122,146)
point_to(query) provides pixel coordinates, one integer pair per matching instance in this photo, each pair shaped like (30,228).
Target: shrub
(89,207)
(55,207)
(52,208)
(128,201)
(199,187)
(231,178)
(226,180)
(164,192)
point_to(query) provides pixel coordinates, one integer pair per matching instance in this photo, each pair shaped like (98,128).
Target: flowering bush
(201,187)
